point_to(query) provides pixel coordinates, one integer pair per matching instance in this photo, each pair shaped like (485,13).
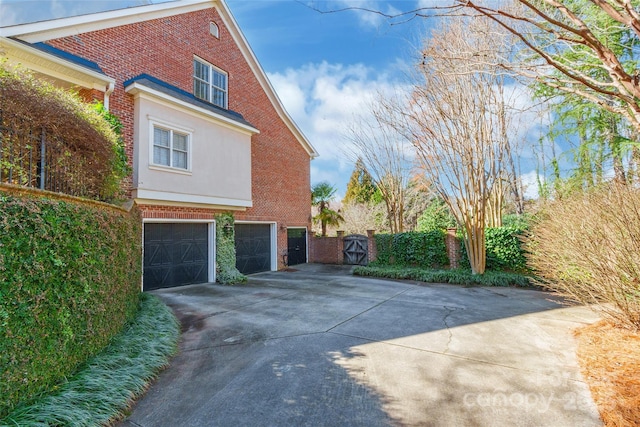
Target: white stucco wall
(220,159)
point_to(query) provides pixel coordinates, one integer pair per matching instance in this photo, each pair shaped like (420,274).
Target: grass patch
(609,358)
(457,276)
(106,385)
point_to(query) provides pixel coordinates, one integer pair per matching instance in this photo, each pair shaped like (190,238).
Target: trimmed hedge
(459,276)
(70,279)
(102,390)
(504,250)
(415,249)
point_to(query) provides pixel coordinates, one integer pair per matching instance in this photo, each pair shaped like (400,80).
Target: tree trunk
(474,242)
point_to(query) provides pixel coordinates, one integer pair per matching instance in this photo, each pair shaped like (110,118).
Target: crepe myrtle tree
(455,116)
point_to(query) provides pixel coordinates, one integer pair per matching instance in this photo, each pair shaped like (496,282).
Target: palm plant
(321,195)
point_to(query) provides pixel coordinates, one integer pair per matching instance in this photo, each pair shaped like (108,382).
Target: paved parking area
(319,347)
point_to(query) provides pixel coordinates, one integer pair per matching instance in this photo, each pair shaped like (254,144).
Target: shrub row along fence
(70,278)
(428,250)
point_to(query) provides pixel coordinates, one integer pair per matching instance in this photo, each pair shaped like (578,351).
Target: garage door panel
(253,247)
(175,254)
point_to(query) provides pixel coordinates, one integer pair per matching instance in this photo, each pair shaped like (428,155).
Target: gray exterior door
(253,247)
(175,254)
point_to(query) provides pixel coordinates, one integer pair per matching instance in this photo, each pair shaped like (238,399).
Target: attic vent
(213,29)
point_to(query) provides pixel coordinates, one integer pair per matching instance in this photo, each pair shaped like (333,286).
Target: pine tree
(360,188)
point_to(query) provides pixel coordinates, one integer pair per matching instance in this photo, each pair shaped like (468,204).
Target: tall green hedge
(70,278)
(504,251)
(415,249)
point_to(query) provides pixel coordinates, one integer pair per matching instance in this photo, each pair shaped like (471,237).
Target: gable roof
(57,64)
(64,27)
(67,56)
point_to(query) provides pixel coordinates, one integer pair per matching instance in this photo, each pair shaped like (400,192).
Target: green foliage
(227,272)
(102,389)
(360,188)
(412,249)
(437,216)
(517,221)
(70,278)
(86,148)
(504,250)
(459,276)
(321,195)
(328,217)
(599,132)
(120,167)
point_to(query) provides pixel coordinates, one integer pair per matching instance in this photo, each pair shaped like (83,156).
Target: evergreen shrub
(505,251)
(70,279)
(415,249)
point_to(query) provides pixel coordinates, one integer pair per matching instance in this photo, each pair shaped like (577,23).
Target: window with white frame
(170,147)
(209,83)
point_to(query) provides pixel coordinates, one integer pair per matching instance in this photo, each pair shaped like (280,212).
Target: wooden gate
(356,249)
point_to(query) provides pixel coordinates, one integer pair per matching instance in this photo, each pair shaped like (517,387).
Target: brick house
(204,130)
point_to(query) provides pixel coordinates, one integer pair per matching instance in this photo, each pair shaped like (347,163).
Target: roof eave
(53,66)
(64,27)
(138,89)
(253,62)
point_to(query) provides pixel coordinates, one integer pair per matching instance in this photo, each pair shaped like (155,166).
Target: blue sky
(325,67)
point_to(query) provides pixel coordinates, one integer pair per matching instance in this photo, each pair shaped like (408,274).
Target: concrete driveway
(319,347)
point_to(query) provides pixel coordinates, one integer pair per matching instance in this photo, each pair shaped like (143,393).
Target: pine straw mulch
(610,362)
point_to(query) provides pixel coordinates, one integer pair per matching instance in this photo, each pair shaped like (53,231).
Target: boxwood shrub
(70,275)
(415,249)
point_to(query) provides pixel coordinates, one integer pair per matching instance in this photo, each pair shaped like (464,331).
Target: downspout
(107,93)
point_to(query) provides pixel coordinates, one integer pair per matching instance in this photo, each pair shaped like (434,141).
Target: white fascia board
(140,90)
(64,27)
(255,66)
(154,197)
(45,63)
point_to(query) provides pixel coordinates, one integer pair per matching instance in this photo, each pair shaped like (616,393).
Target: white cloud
(370,14)
(365,10)
(530,184)
(323,100)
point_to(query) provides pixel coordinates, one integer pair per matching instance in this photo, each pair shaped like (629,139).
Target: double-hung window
(170,148)
(210,83)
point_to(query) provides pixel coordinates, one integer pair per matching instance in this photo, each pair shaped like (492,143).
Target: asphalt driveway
(319,347)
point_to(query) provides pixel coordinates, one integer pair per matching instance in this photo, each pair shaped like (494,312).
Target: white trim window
(210,83)
(170,147)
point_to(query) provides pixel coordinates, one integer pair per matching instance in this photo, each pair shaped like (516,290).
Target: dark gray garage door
(175,255)
(253,248)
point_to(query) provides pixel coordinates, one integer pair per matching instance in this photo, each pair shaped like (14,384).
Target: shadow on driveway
(319,347)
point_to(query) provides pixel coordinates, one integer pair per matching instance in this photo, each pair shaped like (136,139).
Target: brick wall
(165,49)
(452,243)
(329,250)
(177,212)
(326,250)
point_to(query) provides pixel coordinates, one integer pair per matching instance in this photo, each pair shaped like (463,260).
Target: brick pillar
(453,247)
(340,247)
(371,246)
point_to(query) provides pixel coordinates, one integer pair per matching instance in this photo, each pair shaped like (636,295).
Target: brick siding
(165,49)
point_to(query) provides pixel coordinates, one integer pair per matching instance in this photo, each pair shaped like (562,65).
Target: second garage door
(253,247)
